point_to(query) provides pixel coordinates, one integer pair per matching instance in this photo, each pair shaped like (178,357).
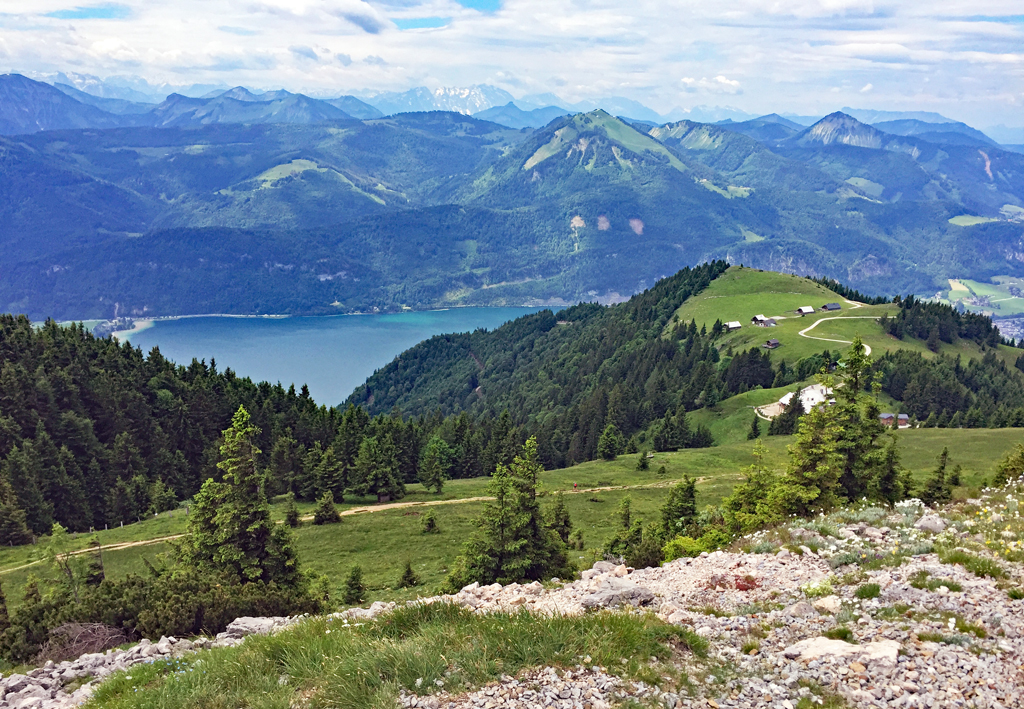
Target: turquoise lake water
(332,355)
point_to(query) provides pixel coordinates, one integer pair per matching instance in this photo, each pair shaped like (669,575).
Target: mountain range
(254,203)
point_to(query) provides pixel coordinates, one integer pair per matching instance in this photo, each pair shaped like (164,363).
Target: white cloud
(943,55)
(866,88)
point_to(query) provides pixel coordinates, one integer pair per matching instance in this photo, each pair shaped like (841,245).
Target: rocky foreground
(858,606)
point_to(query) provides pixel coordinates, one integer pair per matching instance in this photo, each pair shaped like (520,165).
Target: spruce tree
(514,543)
(680,510)
(409,579)
(161,497)
(329,475)
(1011,467)
(936,490)
(325,511)
(609,445)
(643,462)
(559,519)
(891,482)
(291,512)
(5,618)
(229,528)
(436,463)
(354,592)
(785,424)
(376,470)
(624,512)
(755,428)
(816,463)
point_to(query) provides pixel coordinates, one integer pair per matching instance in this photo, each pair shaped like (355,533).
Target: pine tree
(329,475)
(161,497)
(680,509)
(325,511)
(1011,467)
(514,543)
(409,579)
(785,424)
(936,489)
(755,428)
(291,512)
(815,462)
(430,523)
(355,590)
(376,470)
(624,512)
(610,444)
(891,482)
(559,519)
(643,462)
(436,463)
(229,528)
(5,618)
(285,467)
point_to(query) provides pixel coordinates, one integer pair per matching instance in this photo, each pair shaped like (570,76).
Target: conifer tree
(891,482)
(161,497)
(325,511)
(755,428)
(643,462)
(436,463)
(785,424)
(610,444)
(815,462)
(559,519)
(354,592)
(514,543)
(680,509)
(936,490)
(1011,467)
(329,475)
(624,512)
(376,470)
(5,618)
(430,523)
(229,528)
(409,579)
(291,512)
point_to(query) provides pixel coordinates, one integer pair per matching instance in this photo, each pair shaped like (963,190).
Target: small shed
(733,325)
(771,344)
(758,319)
(831,306)
(805,310)
(770,322)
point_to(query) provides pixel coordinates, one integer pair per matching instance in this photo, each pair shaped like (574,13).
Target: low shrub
(1015,594)
(840,633)
(868,590)
(977,565)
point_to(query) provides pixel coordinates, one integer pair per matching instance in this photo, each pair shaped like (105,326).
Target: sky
(964,59)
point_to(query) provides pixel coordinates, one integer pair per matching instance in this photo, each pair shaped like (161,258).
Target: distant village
(816,394)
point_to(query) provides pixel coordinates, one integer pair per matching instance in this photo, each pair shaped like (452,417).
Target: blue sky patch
(93,12)
(481,5)
(419,23)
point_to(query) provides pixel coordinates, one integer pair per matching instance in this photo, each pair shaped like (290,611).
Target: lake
(331,354)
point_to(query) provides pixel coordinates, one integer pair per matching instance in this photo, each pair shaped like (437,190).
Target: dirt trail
(803,333)
(358,510)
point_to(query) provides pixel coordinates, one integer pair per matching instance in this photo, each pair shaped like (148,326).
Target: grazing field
(381,541)
(741,293)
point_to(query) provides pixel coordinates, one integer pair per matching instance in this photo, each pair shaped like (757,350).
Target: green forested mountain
(440,209)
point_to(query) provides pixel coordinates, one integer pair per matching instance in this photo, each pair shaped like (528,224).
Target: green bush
(1015,594)
(355,590)
(840,633)
(681,547)
(430,523)
(326,512)
(181,602)
(868,590)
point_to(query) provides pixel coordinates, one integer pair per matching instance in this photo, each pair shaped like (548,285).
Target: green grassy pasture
(381,542)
